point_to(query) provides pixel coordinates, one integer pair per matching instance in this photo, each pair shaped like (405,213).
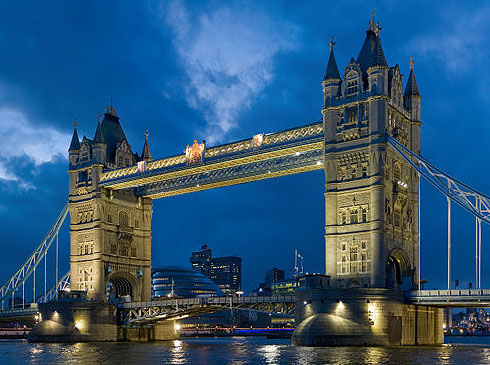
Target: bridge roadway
(174,309)
(465,298)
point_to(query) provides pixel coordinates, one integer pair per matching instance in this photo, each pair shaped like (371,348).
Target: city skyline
(149,73)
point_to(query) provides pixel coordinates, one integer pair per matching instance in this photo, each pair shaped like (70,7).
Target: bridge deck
(289,152)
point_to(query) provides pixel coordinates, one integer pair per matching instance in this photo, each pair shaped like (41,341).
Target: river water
(241,350)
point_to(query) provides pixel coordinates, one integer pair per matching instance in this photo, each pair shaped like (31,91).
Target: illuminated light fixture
(68,290)
(318,163)
(305,303)
(297,154)
(177,326)
(269,171)
(78,324)
(198,185)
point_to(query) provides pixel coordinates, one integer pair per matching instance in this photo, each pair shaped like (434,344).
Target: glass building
(182,283)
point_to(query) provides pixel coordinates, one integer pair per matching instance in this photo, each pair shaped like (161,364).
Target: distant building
(273,276)
(201,260)
(182,283)
(227,273)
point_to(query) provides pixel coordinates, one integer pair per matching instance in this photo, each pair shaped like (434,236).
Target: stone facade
(371,197)
(110,231)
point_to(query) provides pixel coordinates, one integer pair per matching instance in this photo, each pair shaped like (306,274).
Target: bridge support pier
(364,317)
(96,321)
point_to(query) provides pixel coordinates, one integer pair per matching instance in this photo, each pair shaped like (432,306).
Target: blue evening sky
(222,71)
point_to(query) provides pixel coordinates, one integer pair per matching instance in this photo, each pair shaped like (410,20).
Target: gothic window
(91,249)
(344,264)
(123,219)
(82,176)
(354,216)
(364,215)
(136,223)
(123,250)
(84,153)
(352,115)
(113,249)
(363,245)
(352,87)
(133,251)
(353,253)
(81,250)
(363,262)
(344,217)
(364,170)
(344,246)
(109,218)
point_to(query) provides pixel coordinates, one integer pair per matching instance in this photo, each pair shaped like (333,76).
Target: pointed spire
(111,110)
(371,53)
(146,154)
(99,137)
(378,54)
(411,88)
(75,142)
(332,69)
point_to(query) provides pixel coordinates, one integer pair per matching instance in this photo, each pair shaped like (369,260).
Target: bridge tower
(371,198)
(110,231)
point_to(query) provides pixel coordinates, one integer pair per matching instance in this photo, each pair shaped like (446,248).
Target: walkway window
(123,219)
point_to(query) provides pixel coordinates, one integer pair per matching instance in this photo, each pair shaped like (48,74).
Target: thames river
(241,350)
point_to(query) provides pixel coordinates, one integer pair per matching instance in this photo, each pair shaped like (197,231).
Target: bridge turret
(331,82)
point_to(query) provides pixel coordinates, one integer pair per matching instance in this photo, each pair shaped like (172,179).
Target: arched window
(354,216)
(123,219)
(364,215)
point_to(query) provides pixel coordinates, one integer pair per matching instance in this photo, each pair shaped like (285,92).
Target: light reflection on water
(240,350)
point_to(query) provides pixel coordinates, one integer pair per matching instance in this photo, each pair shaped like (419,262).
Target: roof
(99,137)
(112,133)
(371,53)
(332,69)
(75,142)
(411,88)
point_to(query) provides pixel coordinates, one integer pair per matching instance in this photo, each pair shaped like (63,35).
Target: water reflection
(238,351)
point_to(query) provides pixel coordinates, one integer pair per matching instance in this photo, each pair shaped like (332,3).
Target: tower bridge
(369,146)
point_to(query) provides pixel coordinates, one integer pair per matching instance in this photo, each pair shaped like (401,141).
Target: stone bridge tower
(110,231)
(371,198)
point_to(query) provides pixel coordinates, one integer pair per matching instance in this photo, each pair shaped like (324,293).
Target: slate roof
(112,133)
(411,88)
(75,142)
(332,69)
(371,53)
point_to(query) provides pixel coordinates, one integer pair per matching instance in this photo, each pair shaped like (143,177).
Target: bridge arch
(121,284)
(397,266)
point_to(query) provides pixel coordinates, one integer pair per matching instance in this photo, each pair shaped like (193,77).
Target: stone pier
(93,322)
(364,317)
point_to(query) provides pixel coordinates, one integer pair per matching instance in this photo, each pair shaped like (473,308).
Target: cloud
(227,54)
(459,45)
(20,138)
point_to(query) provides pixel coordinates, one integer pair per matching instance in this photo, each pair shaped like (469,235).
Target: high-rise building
(273,276)
(227,273)
(201,260)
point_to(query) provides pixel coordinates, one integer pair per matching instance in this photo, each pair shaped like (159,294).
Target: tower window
(123,219)
(364,215)
(351,87)
(354,216)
